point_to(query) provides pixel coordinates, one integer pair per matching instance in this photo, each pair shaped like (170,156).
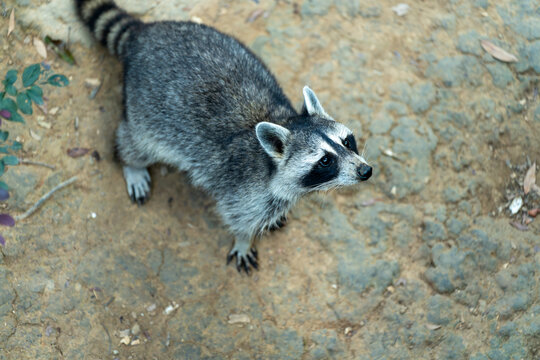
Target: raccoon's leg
(245,253)
(134,165)
(138,183)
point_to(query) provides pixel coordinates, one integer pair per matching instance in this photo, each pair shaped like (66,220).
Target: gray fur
(199,100)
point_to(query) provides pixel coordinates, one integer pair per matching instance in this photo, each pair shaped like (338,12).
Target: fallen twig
(44,198)
(37,163)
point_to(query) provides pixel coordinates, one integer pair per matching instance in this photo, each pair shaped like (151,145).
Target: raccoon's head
(312,151)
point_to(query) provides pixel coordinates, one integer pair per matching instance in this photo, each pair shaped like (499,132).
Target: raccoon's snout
(364,172)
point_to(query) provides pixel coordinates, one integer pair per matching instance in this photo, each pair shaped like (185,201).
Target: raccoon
(199,100)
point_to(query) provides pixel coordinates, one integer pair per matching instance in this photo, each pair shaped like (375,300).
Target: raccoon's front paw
(138,184)
(245,260)
(279,224)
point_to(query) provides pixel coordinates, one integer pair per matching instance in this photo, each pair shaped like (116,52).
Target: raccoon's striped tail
(110,25)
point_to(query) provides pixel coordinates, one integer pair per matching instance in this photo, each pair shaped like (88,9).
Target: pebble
(515,205)
(239,319)
(136,329)
(401,9)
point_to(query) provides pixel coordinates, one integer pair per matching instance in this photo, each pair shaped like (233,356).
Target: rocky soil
(420,262)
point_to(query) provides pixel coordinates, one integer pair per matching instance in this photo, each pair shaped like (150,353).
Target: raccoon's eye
(325,161)
(346,143)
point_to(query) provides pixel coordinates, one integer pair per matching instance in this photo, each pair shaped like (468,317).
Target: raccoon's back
(194,78)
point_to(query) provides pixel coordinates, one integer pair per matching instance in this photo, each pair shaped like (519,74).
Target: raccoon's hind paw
(138,184)
(244,260)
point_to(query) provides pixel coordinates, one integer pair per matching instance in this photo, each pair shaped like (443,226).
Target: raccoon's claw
(244,261)
(279,224)
(138,184)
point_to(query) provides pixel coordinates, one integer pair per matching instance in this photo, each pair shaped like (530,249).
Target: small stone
(136,329)
(92,82)
(169,309)
(54,110)
(239,319)
(515,205)
(151,308)
(401,9)
(41,122)
(135,342)
(125,340)
(124,333)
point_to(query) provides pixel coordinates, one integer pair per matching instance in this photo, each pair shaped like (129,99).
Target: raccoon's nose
(364,172)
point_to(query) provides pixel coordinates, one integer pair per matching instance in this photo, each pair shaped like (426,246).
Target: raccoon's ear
(272,137)
(312,106)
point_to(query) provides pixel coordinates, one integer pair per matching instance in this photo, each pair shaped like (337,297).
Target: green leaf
(9,105)
(11,77)
(2,94)
(60,48)
(3,185)
(24,103)
(4,150)
(31,74)
(11,90)
(10,160)
(16,117)
(4,135)
(16,146)
(2,168)
(35,94)
(58,80)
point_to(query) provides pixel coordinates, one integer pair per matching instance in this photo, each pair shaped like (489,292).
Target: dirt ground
(419,262)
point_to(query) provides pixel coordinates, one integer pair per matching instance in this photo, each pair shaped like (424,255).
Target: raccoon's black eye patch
(325,170)
(350,143)
(325,161)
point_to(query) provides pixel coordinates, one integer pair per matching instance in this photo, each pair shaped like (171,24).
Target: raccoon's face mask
(314,152)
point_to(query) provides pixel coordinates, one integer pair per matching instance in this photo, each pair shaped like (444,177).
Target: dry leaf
(519,226)
(40,47)
(77,152)
(534,212)
(530,179)
(255,15)
(43,107)
(35,135)
(497,52)
(371,202)
(11,22)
